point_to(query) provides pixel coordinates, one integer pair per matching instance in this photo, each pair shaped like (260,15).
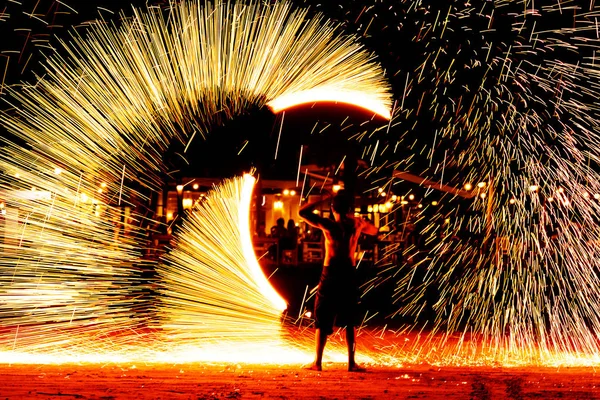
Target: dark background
(470,59)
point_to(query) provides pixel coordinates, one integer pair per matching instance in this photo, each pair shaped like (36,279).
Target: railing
(269,250)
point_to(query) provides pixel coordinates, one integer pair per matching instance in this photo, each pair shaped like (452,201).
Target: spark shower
(111,101)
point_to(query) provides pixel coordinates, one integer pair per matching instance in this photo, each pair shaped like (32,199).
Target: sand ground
(243,381)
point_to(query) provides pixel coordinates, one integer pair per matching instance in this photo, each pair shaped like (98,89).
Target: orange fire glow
(362,100)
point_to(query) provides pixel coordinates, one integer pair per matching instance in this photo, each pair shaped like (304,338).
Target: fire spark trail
(94,130)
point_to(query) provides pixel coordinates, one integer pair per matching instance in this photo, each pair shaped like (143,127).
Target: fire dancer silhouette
(337,294)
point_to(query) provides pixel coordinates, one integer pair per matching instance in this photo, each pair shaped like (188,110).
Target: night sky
(440,57)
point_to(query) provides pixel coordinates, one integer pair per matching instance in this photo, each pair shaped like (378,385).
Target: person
(290,240)
(292,231)
(278,232)
(337,293)
(260,231)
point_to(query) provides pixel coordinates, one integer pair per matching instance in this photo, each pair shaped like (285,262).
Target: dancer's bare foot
(356,368)
(314,367)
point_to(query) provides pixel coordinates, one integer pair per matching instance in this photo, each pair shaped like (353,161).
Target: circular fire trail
(91,135)
(222,292)
(496,99)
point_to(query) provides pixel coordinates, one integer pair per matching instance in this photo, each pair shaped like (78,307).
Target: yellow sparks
(109,104)
(212,284)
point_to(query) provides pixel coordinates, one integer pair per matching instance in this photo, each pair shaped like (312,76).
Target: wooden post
(350,177)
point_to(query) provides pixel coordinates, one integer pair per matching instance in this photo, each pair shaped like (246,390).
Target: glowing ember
(371,102)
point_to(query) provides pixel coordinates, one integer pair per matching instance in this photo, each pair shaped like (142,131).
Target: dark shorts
(337,297)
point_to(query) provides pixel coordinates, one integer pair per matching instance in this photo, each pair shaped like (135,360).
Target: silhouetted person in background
(290,242)
(279,232)
(260,231)
(337,294)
